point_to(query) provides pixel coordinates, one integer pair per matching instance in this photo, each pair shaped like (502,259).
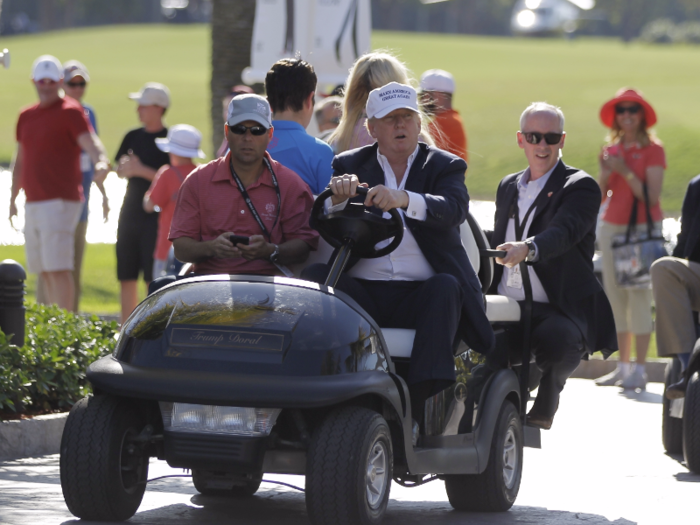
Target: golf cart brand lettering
(226,338)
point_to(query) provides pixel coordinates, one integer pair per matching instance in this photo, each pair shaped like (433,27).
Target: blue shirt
(308,156)
(86,165)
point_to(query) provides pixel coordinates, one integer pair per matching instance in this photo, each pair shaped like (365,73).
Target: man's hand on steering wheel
(344,187)
(386,199)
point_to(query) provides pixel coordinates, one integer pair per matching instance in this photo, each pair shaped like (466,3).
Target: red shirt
(163,193)
(50,150)
(448,131)
(638,159)
(209,204)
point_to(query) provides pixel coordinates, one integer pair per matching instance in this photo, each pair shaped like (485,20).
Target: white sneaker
(635,380)
(614,378)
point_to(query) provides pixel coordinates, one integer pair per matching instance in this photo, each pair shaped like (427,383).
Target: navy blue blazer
(689,236)
(563,228)
(439,177)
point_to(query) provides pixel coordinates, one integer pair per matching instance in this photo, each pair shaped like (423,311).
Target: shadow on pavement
(642,396)
(687,477)
(290,509)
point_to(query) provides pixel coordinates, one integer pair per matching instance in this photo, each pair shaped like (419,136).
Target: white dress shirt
(528,190)
(407,262)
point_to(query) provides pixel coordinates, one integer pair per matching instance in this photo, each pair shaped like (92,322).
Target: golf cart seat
(499,309)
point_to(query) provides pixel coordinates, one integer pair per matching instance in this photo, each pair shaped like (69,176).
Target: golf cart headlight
(240,421)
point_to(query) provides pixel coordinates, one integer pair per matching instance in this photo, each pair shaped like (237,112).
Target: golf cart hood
(251,324)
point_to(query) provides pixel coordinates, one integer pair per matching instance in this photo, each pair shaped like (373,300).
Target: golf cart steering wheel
(357,225)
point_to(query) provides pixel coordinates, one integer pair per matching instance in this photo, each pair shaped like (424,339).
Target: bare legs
(624,341)
(129,297)
(59,288)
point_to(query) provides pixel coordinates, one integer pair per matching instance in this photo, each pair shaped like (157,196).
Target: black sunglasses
(240,129)
(76,84)
(534,137)
(632,110)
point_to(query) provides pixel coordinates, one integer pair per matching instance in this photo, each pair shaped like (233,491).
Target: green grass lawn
(496,79)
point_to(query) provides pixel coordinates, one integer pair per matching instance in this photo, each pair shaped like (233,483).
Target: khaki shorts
(49,231)
(631,307)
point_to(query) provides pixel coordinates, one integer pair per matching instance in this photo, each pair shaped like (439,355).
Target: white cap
(152,94)
(437,80)
(393,96)
(249,107)
(73,68)
(47,66)
(182,140)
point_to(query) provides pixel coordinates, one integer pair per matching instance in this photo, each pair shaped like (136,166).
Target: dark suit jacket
(689,236)
(439,177)
(563,228)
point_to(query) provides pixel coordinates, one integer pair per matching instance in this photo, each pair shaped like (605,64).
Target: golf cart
(680,424)
(233,377)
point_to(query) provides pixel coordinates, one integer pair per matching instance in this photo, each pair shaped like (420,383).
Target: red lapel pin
(549,194)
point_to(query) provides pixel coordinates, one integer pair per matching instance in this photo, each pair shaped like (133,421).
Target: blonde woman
(370,71)
(632,157)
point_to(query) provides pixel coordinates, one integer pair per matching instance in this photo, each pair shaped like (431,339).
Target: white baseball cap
(182,140)
(393,96)
(73,68)
(249,107)
(152,94)
(47,66)
(437,80)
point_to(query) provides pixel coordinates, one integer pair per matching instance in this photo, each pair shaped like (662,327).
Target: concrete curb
(31,437)
(42,435)
(594,368)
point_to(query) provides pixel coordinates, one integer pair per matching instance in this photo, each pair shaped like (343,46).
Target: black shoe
(677,389)
(538,421)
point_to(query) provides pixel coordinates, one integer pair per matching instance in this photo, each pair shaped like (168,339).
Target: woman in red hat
(632,157)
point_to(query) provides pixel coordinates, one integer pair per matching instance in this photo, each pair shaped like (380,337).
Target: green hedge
(47,374)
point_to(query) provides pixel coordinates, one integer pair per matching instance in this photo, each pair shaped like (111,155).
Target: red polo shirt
(209,204)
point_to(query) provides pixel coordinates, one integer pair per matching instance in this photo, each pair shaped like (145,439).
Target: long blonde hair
(370,71)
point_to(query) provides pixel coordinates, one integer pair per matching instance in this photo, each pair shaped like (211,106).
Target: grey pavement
(602,463)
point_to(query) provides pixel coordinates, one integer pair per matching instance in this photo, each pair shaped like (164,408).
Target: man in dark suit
(427,283)
(676,286)
(546,216)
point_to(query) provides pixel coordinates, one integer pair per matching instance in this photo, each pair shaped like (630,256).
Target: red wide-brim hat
(607,112)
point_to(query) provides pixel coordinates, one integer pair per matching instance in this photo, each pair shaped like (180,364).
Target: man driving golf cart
(427,283)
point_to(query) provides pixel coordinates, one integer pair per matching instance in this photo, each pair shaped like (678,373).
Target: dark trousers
(431,307)
(557,344)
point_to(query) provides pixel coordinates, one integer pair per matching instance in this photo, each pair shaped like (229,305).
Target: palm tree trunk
(231,37)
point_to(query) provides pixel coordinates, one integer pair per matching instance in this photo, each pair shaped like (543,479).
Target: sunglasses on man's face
(240,129)
(76,84)
(632,110)
(534,137)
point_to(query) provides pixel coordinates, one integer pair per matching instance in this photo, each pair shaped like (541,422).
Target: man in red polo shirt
(50,137)
(212,204)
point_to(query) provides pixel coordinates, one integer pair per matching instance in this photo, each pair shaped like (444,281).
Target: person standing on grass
(632,158)
(75,80)
(182,144)
(447,129)
(50,137)
(139,160)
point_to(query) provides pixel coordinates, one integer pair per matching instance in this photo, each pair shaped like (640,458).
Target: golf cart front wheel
(349,468)
(691,424)
(103,472)
(495,489)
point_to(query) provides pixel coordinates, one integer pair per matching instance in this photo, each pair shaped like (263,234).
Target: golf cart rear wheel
(691,424)
(671,427)
(237,486)
(495,489)
(103,473)
(349,468)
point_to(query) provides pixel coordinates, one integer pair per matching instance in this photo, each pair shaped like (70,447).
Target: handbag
(635,251)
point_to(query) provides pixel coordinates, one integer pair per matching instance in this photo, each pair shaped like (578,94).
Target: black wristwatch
(531,251)
(275,255)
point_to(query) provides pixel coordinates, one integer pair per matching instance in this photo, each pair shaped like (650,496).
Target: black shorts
(136,242)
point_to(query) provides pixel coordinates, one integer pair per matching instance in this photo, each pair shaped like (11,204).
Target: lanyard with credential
(515,214)
(249,202)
